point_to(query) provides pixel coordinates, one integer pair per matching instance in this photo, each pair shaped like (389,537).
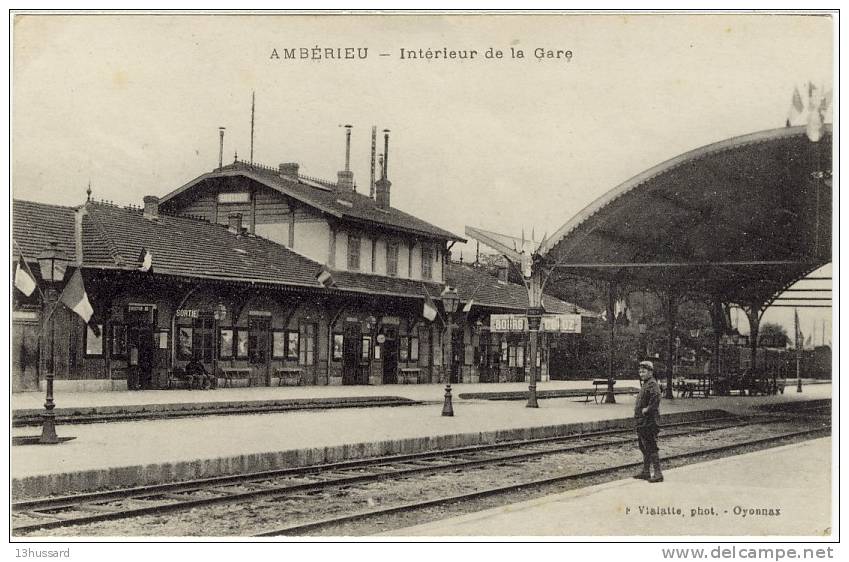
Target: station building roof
(321,195)
(741,219)
(115,238)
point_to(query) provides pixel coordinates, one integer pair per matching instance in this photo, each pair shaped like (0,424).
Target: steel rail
(42,507)
(300,529)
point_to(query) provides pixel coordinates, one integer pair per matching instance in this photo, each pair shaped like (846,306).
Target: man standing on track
(646,412)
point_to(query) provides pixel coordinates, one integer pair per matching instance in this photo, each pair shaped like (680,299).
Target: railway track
(313,527)
(57,512)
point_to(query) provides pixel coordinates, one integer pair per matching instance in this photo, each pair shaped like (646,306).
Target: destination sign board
(551,323)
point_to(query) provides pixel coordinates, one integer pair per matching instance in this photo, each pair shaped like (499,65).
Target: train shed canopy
(739,220)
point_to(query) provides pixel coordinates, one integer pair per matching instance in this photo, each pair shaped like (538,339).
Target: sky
(133,103)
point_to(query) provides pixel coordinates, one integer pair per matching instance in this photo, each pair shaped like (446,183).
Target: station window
(392,259)
(516,357)
(427,262)
(185,341)
(258,339)
(285,344)
(307,344)
(338,341)
(242,341)
(225,343)
(203,339)
(366,348)
(353,253)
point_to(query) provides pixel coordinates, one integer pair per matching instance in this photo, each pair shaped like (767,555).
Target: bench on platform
(409,375)
(288,376)
(232,373)
(177,378)
(597,392)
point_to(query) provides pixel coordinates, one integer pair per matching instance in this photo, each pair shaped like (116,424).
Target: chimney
(345,182)
(234,223)
(221,147)
(289,169)
(381,187)
(151,207)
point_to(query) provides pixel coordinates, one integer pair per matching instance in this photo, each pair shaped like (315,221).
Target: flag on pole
(75,298)
(325,277)
(23,281)
(797,101)
(429,310)
(468,306)
(146,259)
(797,108)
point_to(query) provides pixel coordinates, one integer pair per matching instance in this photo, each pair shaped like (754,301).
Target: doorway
(390,355)
(351,336)
(139,350)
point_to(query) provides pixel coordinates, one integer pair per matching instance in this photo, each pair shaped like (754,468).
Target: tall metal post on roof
(609,397)
(220,147)
(385,153)
(348,147)
(373,151)
(253,107)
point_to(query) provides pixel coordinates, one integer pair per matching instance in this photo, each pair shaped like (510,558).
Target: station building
(269,278)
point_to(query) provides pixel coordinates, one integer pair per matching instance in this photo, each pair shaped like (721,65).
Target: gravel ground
(250,517)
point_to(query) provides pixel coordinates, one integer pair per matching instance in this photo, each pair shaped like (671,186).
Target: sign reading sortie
(551,323)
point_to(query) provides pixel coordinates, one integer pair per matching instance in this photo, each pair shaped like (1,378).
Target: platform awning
(740,219)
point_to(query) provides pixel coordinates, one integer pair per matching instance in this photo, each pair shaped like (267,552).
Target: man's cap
(648,365)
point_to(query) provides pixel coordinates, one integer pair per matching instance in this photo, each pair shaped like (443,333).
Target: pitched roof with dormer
(322,196)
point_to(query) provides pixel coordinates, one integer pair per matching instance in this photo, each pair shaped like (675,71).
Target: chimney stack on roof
(234,223)
(382,186)
(345,183)
(221,147)
(151,207)
(289,169)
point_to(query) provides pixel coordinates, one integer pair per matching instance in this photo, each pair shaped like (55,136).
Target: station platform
(779,492)
(123,453)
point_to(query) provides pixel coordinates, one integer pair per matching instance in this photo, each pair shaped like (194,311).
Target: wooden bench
(598,391)
(231,373)
(409,375)
(288,376)
(177,378)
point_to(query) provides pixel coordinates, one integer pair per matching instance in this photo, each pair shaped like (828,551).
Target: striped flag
(325,277)
(75,298)
(429,310)
(146,259)
(23,281)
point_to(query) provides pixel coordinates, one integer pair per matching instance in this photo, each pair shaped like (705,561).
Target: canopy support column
(753,313)
(671,312)
(609,397)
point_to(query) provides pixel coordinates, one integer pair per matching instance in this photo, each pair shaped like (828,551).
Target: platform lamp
(53,264)
(450,302)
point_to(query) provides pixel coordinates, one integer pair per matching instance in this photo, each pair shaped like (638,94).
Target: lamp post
(53,263)
(450,302)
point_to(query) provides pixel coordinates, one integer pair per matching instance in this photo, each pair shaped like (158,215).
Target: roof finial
(88,192)
(235,156)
